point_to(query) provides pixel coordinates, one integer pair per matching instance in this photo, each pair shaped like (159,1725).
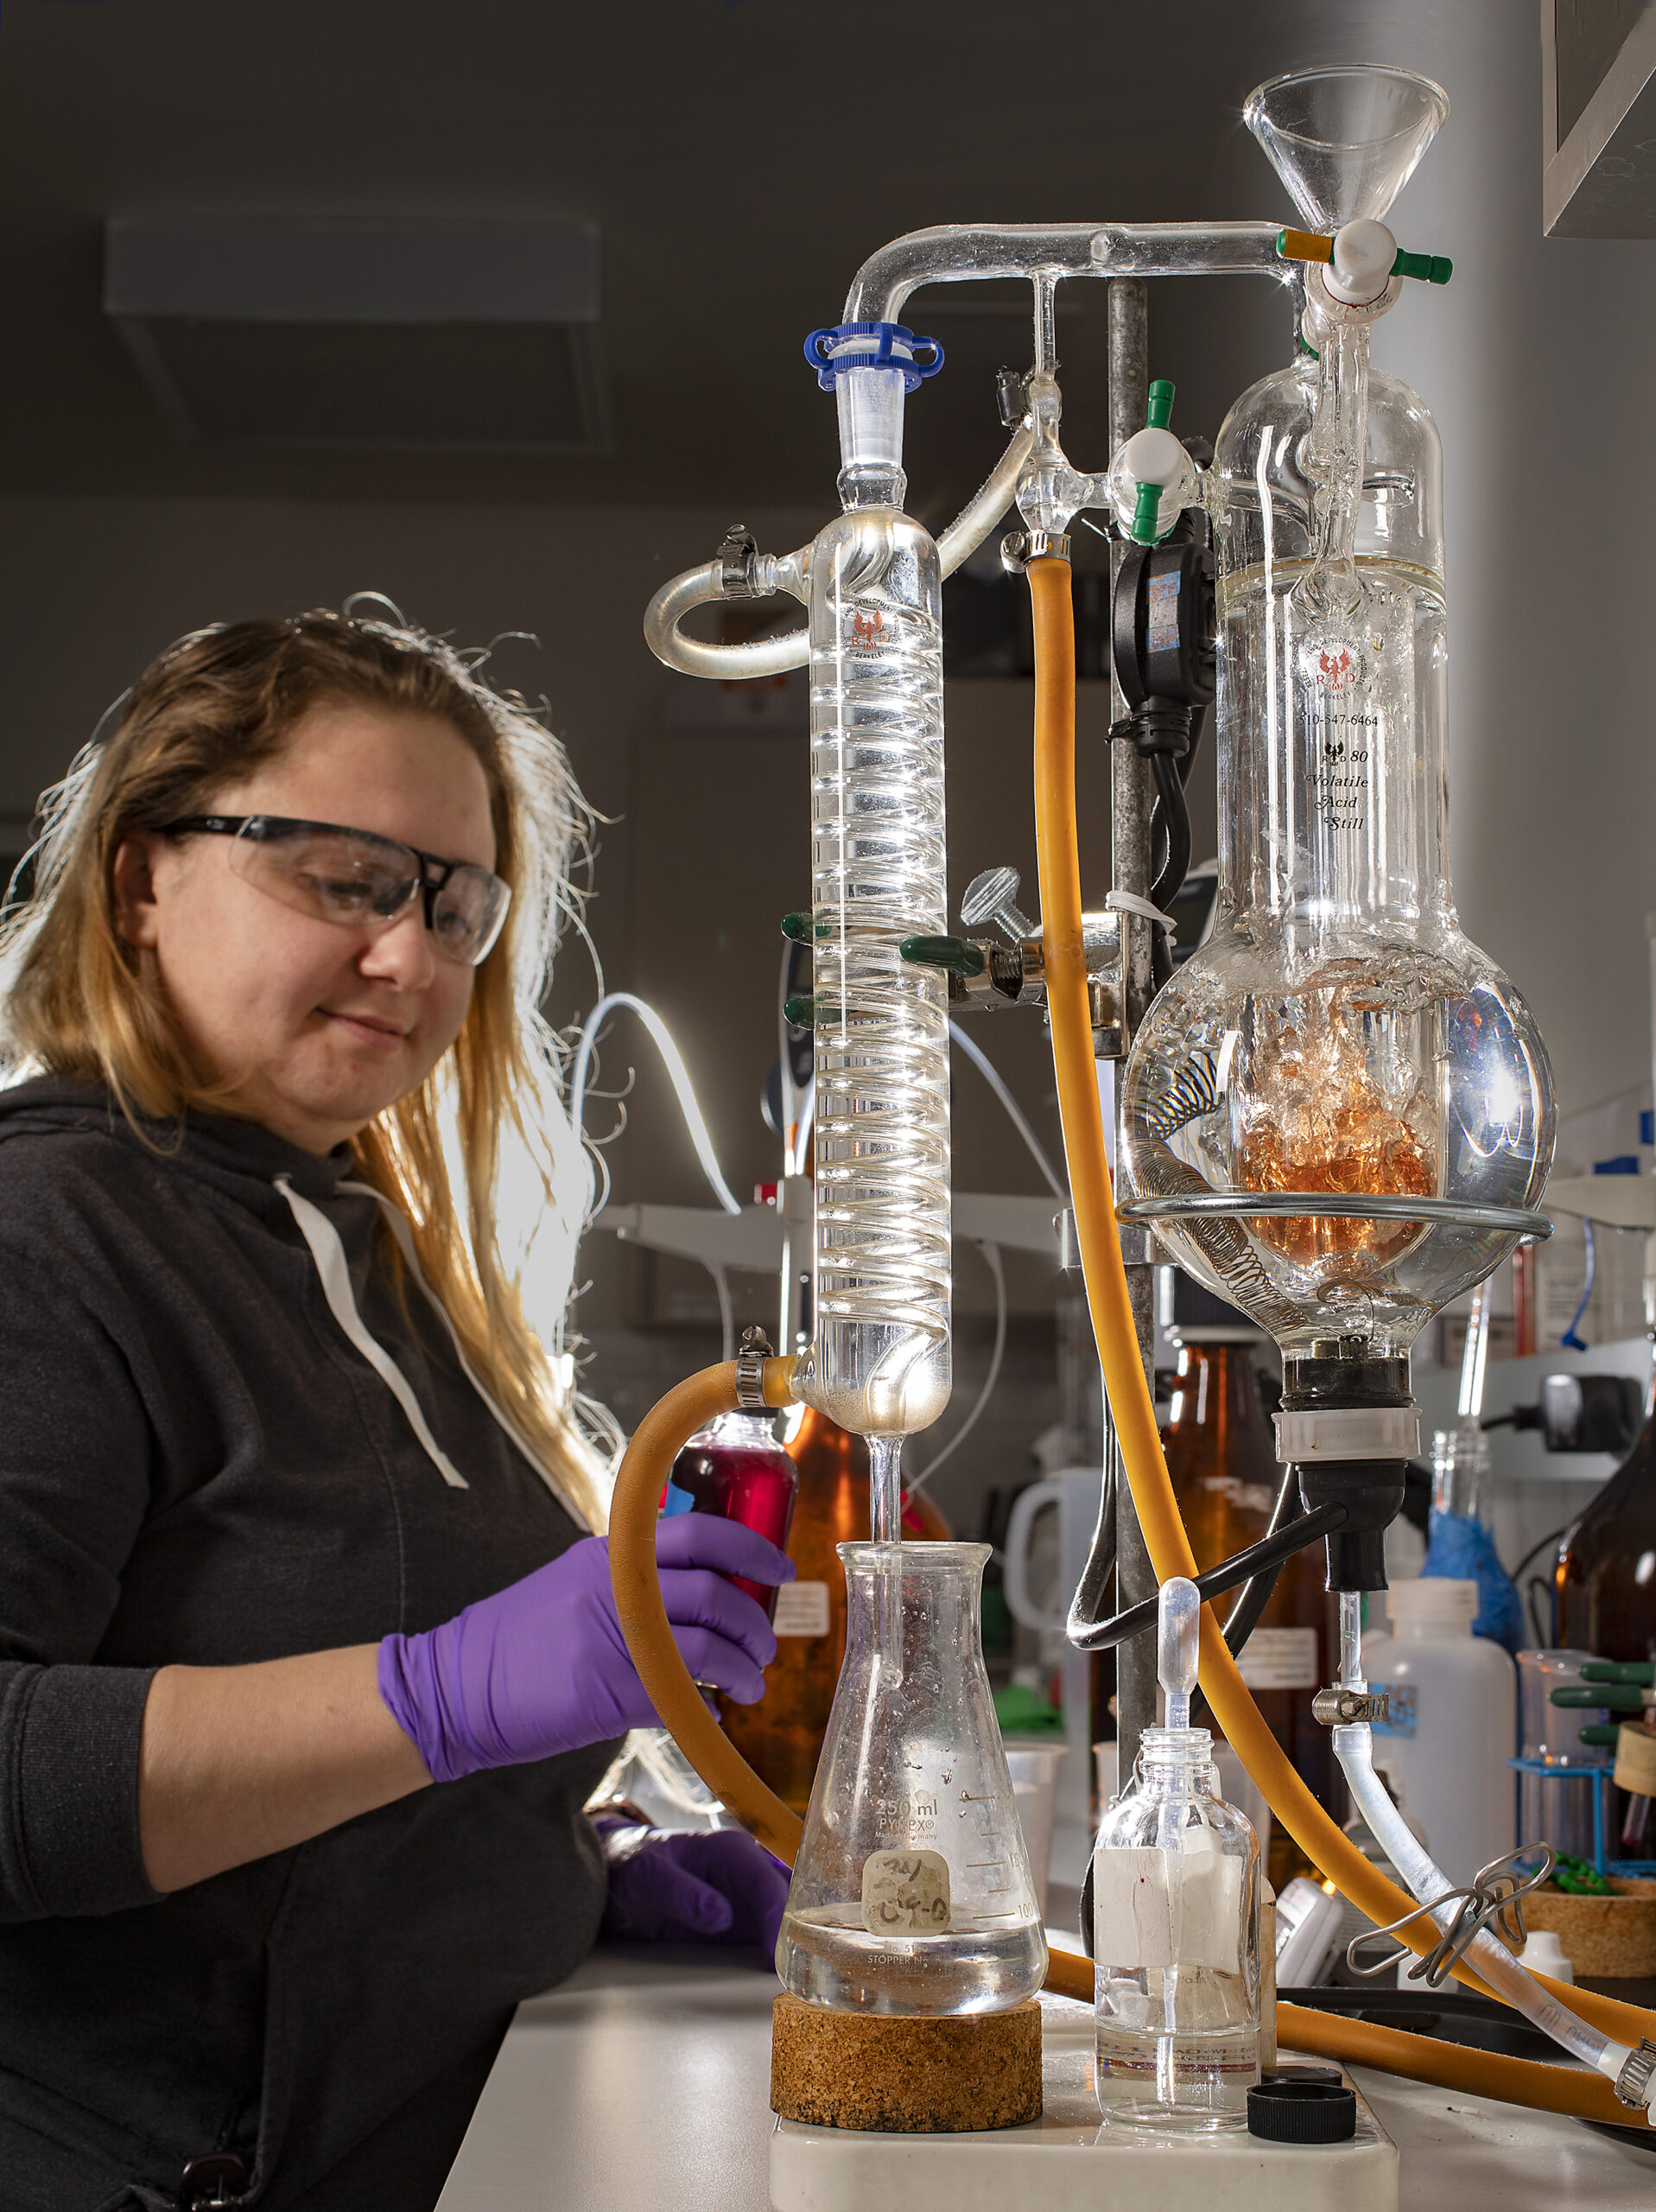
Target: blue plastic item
(1461,1549)
(830,367)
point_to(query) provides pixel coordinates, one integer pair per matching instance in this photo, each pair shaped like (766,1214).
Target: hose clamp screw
(749,1370)
(1014,551)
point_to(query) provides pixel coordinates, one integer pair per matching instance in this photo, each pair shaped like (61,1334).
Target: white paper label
(801,1609)
(1152,1909)
(906,1892)
(1279,1659)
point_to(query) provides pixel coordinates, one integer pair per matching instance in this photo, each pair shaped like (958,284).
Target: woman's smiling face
(310,1026)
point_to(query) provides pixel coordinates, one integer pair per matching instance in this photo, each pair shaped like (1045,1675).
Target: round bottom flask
(1175,1926)
(911,1891)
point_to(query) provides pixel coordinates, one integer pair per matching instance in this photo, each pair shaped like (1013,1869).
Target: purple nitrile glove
(541,1667)
(701,1886)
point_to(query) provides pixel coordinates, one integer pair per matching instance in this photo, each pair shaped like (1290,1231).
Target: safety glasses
(360,880)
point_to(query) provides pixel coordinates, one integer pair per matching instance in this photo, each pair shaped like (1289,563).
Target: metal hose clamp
(1632,2083)
(749,1370)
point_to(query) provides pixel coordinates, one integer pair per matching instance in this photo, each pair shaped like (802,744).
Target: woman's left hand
(691,1886)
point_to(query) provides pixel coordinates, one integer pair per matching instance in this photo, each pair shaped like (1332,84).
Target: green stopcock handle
(1147,512)
(801,1011)
(1642,1671)
(1599,1734)
(1427,268)
(950,952)
(1608,1697)
(1160,412)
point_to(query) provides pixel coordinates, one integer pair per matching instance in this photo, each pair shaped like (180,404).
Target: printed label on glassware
(1400,1715)
(801,1609)
(906,1892)
(1150,1909)
(1280,1659)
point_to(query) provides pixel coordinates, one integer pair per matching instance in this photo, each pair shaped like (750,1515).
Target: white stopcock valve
(1364,253)
(1152,479)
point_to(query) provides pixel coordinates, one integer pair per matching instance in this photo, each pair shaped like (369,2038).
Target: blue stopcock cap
(896,348)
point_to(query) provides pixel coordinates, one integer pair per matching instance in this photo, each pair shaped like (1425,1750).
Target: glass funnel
(1337,1034)
(1345,141)
(911,1891)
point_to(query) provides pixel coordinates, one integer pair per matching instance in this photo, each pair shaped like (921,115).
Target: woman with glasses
(308,1658)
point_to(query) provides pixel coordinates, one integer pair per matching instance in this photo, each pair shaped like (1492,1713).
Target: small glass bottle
(781,1736)
(1605,1578)
(1176,1922)
(735,1469)
(1222,1460)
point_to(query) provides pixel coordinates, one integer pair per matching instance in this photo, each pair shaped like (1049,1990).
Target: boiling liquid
(982,1964)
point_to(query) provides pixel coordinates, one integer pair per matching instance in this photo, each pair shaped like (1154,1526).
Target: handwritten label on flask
(905,1893)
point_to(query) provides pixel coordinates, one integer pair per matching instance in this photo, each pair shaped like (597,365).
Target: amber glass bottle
(1605,1578)
(1222,1458)
(782,1736)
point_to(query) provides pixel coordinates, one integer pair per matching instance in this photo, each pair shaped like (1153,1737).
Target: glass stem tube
(885,1525)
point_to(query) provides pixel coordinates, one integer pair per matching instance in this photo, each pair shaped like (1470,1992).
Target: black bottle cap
(1287,2110)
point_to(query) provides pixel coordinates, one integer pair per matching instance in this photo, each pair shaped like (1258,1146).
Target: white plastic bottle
(1452,1724)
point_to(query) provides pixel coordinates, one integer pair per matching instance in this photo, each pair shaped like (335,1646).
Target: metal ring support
(1201,1206)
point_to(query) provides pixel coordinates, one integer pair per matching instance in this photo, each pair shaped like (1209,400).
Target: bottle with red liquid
(735,1469)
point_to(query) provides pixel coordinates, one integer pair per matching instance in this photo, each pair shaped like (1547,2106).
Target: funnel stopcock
(1345,141)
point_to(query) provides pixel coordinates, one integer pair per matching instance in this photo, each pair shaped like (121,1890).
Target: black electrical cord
(1259,1589)
(1175,818)
(1270,1551)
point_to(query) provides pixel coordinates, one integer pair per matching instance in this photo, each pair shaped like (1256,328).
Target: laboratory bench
(645,2079)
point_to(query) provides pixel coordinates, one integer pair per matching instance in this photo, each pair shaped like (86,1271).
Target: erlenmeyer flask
(1345,141)
(912,1891)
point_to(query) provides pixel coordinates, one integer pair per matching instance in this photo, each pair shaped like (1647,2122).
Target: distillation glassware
(1175,1920)
(911,1891)
(879,1364)
(1337,1042)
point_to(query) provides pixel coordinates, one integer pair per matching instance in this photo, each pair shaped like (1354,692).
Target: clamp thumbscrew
(992,897)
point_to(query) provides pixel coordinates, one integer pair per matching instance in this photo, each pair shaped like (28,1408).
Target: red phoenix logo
(1335,668)
(868,628)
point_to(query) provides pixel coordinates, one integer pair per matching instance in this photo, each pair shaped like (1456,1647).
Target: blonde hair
(210,709)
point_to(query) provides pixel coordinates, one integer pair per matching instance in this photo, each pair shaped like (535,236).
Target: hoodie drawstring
(328,1252)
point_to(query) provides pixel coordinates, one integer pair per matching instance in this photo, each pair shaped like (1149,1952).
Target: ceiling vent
(412,337)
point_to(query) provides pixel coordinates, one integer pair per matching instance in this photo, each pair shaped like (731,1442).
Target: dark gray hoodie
(198,1466)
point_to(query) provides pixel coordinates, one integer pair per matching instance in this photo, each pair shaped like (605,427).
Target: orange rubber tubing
(1131,1407)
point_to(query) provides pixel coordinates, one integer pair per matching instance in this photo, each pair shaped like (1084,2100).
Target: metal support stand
(1132,793)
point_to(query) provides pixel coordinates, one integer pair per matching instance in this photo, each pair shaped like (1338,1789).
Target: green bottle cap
(950,952)
(1160,411)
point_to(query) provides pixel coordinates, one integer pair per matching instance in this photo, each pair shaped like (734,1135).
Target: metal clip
(735,557)
(749,1370)
(1338,1708)
(1632,2083)
(1494,1893)
(217,2182)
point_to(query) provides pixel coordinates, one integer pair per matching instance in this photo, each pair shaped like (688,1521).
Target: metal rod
(1130,795)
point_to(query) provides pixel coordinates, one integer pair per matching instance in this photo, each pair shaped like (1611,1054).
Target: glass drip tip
(1178,1637)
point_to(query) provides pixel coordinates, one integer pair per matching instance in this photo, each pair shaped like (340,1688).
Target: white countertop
(644,2080)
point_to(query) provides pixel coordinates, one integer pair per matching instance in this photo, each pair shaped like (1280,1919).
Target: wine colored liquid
(747,1478)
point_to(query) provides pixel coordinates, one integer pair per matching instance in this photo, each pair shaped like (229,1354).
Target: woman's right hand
(541,1667)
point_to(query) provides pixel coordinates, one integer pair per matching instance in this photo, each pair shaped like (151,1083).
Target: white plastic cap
(1433,1599)
(1155,457)
(1544,1954)
(1362,268)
